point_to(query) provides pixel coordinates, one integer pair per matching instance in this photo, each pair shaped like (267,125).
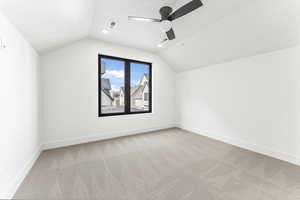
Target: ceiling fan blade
(170,34)
(143,19)
(187,8)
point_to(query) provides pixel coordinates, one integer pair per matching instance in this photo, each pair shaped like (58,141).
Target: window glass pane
(139,87)
(112,86)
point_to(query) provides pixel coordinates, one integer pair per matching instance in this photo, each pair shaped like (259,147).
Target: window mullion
(127,87)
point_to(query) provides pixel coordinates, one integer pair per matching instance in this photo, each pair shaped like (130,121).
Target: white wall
(20,140)
(70,85)
(253,102)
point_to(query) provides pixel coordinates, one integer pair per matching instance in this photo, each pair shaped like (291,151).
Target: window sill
(122,114)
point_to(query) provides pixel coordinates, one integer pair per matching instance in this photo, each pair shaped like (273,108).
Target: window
(146,96)
(125,86)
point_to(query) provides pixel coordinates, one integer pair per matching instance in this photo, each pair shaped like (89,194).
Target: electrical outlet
(2,44)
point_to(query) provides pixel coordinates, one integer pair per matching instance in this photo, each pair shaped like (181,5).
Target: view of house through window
(112,83)
(125,86)
(139,87)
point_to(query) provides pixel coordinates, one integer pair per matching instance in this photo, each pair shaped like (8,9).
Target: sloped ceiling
(217,32)
(257,27)
(47,24)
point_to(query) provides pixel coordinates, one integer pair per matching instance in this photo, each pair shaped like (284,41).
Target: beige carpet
(164,165)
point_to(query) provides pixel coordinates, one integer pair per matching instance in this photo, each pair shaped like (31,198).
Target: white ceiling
(50,23)
(257,27)
(217,32)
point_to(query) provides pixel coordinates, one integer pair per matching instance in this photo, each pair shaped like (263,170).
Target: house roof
(106,87)
(134,89)
(147,76)
(108,94)
(105,84)
(138,92)
(144,75)
(122,89)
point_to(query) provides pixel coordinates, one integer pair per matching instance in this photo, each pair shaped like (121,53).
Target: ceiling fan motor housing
(165,12)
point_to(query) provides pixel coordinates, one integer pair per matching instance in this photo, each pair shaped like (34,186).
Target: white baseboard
(233,141)
(95,137)
(246,145)
(23,173)
(26,168)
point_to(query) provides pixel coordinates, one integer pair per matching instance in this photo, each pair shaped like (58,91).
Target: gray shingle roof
(137,90)
(105,84)
(122,89)
(138,93)
(147,76)
(106,87)
(108,94)
(134,89)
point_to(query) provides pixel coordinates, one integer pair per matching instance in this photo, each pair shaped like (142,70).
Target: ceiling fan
(167,16)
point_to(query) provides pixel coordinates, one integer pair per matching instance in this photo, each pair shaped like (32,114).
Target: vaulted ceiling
(217,32)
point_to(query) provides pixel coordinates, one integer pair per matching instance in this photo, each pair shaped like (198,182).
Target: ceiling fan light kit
(167,16)
(166,25)
(143,19)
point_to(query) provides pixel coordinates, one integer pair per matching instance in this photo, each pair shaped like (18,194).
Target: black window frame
(127,69)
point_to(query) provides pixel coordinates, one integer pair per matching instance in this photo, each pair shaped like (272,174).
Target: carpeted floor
(165,165)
